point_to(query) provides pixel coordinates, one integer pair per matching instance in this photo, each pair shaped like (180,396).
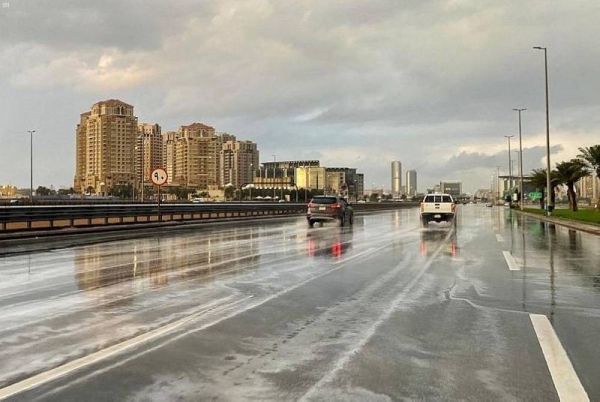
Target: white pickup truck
(438,208)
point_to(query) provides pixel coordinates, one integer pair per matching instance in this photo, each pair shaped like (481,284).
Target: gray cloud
(431,83)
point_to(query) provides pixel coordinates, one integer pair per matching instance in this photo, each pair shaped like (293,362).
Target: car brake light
(336,205)
(311,205)
(422,207)
(453,207)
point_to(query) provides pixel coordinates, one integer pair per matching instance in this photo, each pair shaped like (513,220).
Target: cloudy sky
(349,82)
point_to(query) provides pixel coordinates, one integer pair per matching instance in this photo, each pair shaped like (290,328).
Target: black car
(329,208)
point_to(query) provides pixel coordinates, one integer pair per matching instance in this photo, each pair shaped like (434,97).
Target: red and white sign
(159,176)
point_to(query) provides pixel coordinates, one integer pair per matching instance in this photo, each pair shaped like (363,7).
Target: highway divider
(54,218)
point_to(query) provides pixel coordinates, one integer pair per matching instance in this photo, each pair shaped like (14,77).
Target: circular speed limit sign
(159,176)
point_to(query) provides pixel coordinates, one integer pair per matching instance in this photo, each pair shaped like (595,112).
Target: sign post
(159,178)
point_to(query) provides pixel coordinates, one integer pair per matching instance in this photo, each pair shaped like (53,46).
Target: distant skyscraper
(105,147)
(396,178)
(411,182)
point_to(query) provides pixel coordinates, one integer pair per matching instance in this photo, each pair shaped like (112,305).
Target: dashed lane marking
(512,264)
(565,378)
(499,238)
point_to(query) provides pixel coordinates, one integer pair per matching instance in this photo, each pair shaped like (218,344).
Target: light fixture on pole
(31,165)
(549,205)
(520,160)
(509,165)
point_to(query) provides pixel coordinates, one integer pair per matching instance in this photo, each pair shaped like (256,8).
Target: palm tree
(569,173)
(538,179)
(591,157)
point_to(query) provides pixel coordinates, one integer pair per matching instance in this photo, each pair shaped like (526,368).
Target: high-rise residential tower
(396,178)
(411,183)
(105,147)
(169,141)
(148,151)
(238,160)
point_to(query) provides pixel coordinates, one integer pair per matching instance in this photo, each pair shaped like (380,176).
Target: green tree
(569,173)
(181,192)
(229,192)
(41,191)
(591,157)
(538,179)
(121,191)
(64,191)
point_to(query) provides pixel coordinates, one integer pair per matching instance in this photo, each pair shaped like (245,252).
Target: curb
(584,227)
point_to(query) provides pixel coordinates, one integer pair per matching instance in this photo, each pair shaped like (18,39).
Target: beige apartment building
(238,159)
(169,141)
(148,152)
(105,147)
(196,161)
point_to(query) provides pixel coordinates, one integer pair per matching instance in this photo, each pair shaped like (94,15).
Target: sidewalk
(571,224)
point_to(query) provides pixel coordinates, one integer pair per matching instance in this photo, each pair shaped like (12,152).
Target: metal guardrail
(26,218)
(19,218)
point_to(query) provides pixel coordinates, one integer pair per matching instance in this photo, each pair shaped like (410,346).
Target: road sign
(535,196)
(159,176)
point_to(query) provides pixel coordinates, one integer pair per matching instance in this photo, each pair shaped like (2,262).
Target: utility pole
(31,165)
(549,204)
(520,160)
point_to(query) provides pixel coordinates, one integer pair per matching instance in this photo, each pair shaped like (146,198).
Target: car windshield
(438,198)
(324,200)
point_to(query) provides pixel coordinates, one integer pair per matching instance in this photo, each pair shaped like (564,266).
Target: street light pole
(509,166)
(274,189)
(143,168)
(31,165)
(548,180)
(520,161)
(498,181)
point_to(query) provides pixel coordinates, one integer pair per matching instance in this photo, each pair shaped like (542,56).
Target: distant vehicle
(281,201)
(329,208)
(437,208)
(362,202)
(489,204)
(198,200)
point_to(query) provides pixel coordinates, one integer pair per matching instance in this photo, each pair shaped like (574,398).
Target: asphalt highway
(497,307)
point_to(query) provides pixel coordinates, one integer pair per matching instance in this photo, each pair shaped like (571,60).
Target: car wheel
(342,220)
(311,224)
(424,223)
(351,220)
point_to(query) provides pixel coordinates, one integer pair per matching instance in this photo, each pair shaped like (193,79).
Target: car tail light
(422,207)
(335,206)
(311,205)
(453,207)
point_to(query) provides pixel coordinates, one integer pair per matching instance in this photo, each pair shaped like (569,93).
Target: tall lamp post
(520,160)
(31,165)
(509,165)
(549,205)
(274,188)
(498,181)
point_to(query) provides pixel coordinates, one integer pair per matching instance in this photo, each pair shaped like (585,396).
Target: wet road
(273,310)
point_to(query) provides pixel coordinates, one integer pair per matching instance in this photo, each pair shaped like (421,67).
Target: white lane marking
(512,264)
(66,368)
(76,364)
(499,238)
(565,379)
(394,305)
